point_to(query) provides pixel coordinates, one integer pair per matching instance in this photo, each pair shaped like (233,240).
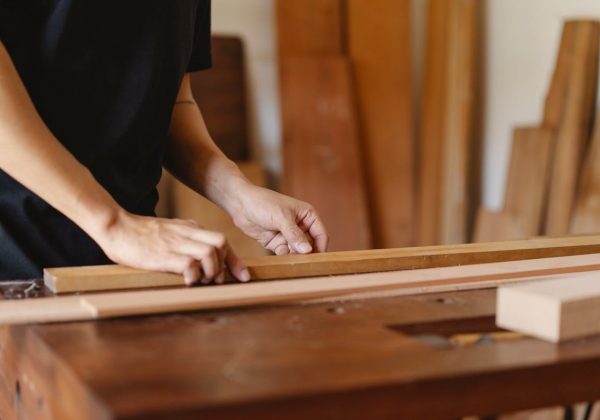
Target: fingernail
(304,247)
(245,275)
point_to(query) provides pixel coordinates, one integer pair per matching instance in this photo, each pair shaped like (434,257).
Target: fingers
(296,238)
(237,266)
(319,234)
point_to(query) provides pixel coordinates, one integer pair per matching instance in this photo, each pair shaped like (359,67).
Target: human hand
(177,246)
(280,223)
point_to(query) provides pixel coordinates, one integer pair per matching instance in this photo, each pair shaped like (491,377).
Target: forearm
(35,158)
(193,157)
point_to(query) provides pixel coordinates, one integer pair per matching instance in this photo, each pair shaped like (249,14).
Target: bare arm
(35,158)
(280,223)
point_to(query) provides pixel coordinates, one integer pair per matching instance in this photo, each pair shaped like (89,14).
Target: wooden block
(574,127)
(221,95)
(461,145)
(555,310)
(240,295)
(586,217)
(310,27)
(527,182)
(379,47)
(321,150)
(349,262)
(432,123)
(188,204)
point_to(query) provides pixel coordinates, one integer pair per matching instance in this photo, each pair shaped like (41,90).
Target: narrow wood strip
(66,280)
(67,308)
(239,295)
(379,48)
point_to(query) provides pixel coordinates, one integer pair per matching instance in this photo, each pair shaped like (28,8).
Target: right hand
(177,246)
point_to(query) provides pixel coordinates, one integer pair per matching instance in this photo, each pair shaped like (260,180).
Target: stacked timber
(551,186)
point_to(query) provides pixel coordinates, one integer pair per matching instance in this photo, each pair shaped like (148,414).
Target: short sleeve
(201,55)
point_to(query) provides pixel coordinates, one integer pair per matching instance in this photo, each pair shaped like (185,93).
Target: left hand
(280,223)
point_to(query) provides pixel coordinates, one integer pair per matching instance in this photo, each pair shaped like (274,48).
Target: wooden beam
(259,293)
(379,48)
(555,310)
(65,280)
(321,149)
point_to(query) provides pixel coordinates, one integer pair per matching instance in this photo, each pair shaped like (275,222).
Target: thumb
(296,239)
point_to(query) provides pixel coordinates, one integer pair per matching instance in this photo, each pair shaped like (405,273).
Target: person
(95,99)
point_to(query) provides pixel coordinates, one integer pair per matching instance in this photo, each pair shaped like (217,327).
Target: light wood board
(105,305)
(574,127)
(349,262)
(556,310)
(586,217)
(321,149)
(379,48)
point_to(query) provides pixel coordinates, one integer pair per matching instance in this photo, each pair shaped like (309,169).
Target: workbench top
(372,358)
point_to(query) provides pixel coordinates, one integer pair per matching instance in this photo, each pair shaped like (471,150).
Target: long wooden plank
(460,145)
(310,27)
(432,123)
(339,263)
(586,217)
(239,295)
(321,149)
(574,127)
(379,47)
(556,310)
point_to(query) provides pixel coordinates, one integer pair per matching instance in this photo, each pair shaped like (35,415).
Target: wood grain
(556,310)
(239,295)
(379,47)
(574,127)
(460,147)
(586,216)
(321,150)
(352,262)
(493,226)
(310,27)
(431,155)
(221,95)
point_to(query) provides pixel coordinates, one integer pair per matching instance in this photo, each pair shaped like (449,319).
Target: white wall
(523,38)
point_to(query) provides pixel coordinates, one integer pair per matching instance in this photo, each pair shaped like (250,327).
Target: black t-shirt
(103,75)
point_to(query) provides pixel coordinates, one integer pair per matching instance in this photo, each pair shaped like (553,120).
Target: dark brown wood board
(321,149)
(574,127)
(379,48)
(221,95)
(586,216)
(310,27)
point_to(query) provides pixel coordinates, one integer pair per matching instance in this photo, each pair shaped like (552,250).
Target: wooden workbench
(371,358)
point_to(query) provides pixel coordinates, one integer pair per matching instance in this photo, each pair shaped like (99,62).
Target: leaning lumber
(106,305)
(556,310)
(77,279)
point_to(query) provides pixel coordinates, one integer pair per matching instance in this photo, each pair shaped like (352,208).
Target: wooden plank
(310,27)
(586,217)
(221,95)
(239,295)
(351,262)
(432,123)
(527,181)
(574,127)
(555,310)
(460,144)
(188,204)
(493,226)
(321,150)
(379,47)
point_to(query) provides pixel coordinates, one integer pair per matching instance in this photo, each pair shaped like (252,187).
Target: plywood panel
(379,47)
(574,127)
(221,95)
(586,217)
(321,150)
(310,27)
